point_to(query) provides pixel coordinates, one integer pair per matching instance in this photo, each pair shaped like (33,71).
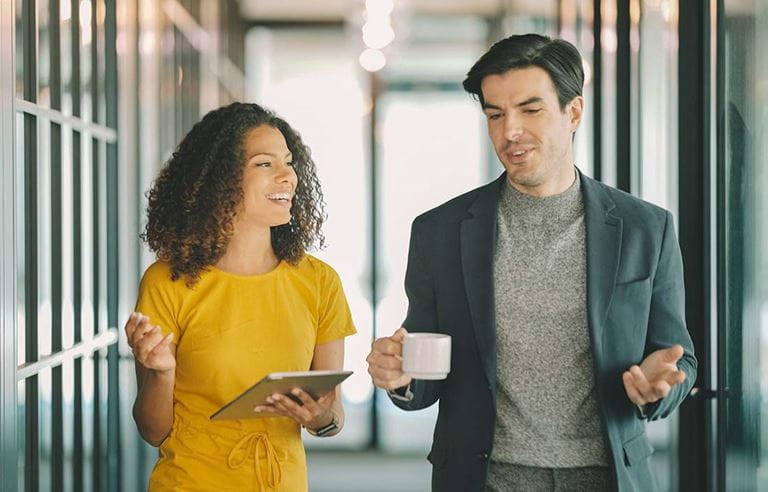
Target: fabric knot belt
(252,446)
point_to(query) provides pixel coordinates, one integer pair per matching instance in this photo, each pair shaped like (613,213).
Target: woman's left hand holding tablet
(311,414)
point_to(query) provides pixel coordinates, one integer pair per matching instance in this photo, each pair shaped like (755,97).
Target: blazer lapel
(603,231)
(477,241)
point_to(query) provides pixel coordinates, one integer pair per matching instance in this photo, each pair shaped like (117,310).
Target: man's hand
(385,362)
(655,377)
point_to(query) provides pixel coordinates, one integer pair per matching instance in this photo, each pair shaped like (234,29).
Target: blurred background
(95,95)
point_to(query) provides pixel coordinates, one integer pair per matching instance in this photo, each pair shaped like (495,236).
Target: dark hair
(559,58)
(194,200)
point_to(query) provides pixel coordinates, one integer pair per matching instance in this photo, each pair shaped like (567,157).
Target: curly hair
(193,202)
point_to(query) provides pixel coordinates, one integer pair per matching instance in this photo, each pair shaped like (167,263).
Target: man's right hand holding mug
(385,362)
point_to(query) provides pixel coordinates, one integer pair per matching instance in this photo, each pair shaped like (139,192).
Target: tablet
(316,383)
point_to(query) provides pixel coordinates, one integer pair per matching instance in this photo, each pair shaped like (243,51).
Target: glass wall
(416,163)
(334,127)
(65,263)
(656,167)
(744,154)
(576,25)
(72,180)
(178,60)
(73,207)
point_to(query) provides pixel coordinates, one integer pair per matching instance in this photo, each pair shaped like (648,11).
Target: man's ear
(575,110)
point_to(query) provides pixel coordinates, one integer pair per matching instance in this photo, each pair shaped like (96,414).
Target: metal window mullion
(597,86)
(77,252)
(56,116)
(717,354)
(146,66)
(9,248)
(694,164)
(374,187)
(113,362)
(96,256)
(31,393)
(57,403)
(98,448)
(83,349)
(623,97)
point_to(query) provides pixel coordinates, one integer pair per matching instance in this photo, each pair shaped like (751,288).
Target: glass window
(44,429)
(99,78)
(67,61)
(657,167)
(44,42)
(333,128)
(67,238)
(745,151)
(88,411)
(86,60)
(576,26)
(658,103)
(68,418)
(21,419)
(44,313)
(418,171)
(526,16)
(21,70)
(21,339)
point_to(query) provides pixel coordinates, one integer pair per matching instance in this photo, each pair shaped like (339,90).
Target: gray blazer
(635,298)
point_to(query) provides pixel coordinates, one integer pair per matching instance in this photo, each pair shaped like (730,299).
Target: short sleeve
(335,319)
(157,300)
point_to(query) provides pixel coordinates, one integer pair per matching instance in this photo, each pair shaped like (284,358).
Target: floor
(367,471)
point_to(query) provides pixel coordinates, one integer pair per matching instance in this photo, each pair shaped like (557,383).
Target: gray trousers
(505,477)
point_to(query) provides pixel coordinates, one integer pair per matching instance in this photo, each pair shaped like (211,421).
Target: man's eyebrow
(487,105)
(530,100)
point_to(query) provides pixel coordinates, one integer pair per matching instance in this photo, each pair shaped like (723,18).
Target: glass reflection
(745,150)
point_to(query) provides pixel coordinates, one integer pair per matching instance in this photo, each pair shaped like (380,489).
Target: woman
(232,297)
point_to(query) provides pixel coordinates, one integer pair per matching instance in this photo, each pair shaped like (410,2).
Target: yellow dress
(230,332)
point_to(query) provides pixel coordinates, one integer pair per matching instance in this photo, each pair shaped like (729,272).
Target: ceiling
(339,10)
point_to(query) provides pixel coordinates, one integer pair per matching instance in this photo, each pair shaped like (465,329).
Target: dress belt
(251,446)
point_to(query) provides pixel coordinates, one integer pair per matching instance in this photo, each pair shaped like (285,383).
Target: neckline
(281,264)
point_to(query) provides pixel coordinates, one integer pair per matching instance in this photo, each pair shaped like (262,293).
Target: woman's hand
(150,348)
(312,414)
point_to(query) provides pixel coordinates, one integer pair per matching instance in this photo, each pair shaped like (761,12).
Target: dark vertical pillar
(694,230)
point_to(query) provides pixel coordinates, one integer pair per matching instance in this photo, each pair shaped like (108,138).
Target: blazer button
(483,456)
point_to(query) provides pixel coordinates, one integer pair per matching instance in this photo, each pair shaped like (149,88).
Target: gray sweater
(547,413)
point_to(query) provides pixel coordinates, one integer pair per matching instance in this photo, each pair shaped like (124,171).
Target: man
(563,297)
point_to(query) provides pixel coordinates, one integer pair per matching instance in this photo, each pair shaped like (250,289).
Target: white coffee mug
(427,355)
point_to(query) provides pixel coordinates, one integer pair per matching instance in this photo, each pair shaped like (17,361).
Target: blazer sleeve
(666,322)
(421,316)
